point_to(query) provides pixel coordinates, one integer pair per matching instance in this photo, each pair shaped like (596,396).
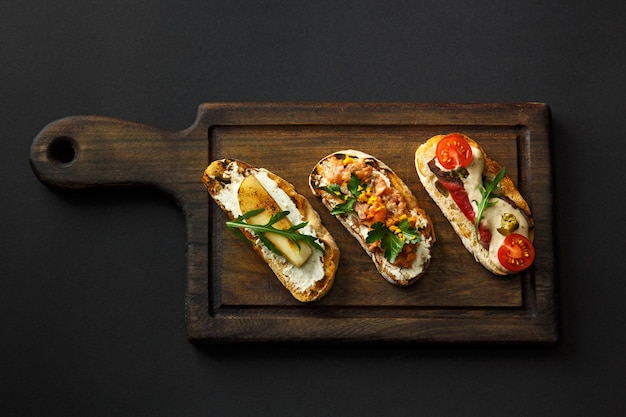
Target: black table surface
(78,338)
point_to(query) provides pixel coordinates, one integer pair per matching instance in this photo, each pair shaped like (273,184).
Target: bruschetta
(376,207)
(282,226)
(480,201)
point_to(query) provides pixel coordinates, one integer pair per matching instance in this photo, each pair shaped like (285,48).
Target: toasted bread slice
(386,201)
(308,282)
(482,167)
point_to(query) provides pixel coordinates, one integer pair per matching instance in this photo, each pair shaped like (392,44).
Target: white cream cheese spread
(313,269)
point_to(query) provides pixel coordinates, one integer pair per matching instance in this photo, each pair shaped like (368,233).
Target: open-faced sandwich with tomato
(479,200)
(283,227)
(379,210)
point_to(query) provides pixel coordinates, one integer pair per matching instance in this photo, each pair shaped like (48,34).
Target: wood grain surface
(233,296)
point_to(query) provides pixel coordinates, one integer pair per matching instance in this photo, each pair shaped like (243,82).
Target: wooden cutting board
(233,296)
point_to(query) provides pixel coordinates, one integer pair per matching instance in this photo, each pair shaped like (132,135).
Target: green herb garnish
(393,238)
(291,233)
(355,189)
(487,193)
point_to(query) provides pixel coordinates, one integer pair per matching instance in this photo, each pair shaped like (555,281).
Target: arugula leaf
(487,193)
(291,233)
(354,188)
(241,219)
(392,243)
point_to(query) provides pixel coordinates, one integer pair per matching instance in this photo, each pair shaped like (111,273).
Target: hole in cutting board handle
(62,150)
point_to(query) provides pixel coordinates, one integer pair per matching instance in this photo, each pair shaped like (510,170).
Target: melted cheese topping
(313,269)
(491,215)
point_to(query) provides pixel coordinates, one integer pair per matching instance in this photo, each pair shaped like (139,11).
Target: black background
(92,283)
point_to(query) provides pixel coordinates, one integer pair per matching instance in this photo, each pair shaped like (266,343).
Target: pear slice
(252,195)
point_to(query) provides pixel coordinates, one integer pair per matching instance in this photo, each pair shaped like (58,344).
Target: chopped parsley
(355,189)
(393,234)
(393,238)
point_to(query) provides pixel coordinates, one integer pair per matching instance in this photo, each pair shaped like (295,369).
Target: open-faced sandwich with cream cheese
(379,210)
(283,227)
(479,200)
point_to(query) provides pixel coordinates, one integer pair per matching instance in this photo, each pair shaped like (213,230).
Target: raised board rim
(535,322)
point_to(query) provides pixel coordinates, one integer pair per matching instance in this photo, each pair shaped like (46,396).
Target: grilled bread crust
(214,179)
(463,227)
(392,274)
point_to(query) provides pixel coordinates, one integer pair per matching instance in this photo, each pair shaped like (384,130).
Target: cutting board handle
(92,151)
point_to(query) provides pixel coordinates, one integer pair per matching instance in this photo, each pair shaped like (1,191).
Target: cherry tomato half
(516,252)
(453,151)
